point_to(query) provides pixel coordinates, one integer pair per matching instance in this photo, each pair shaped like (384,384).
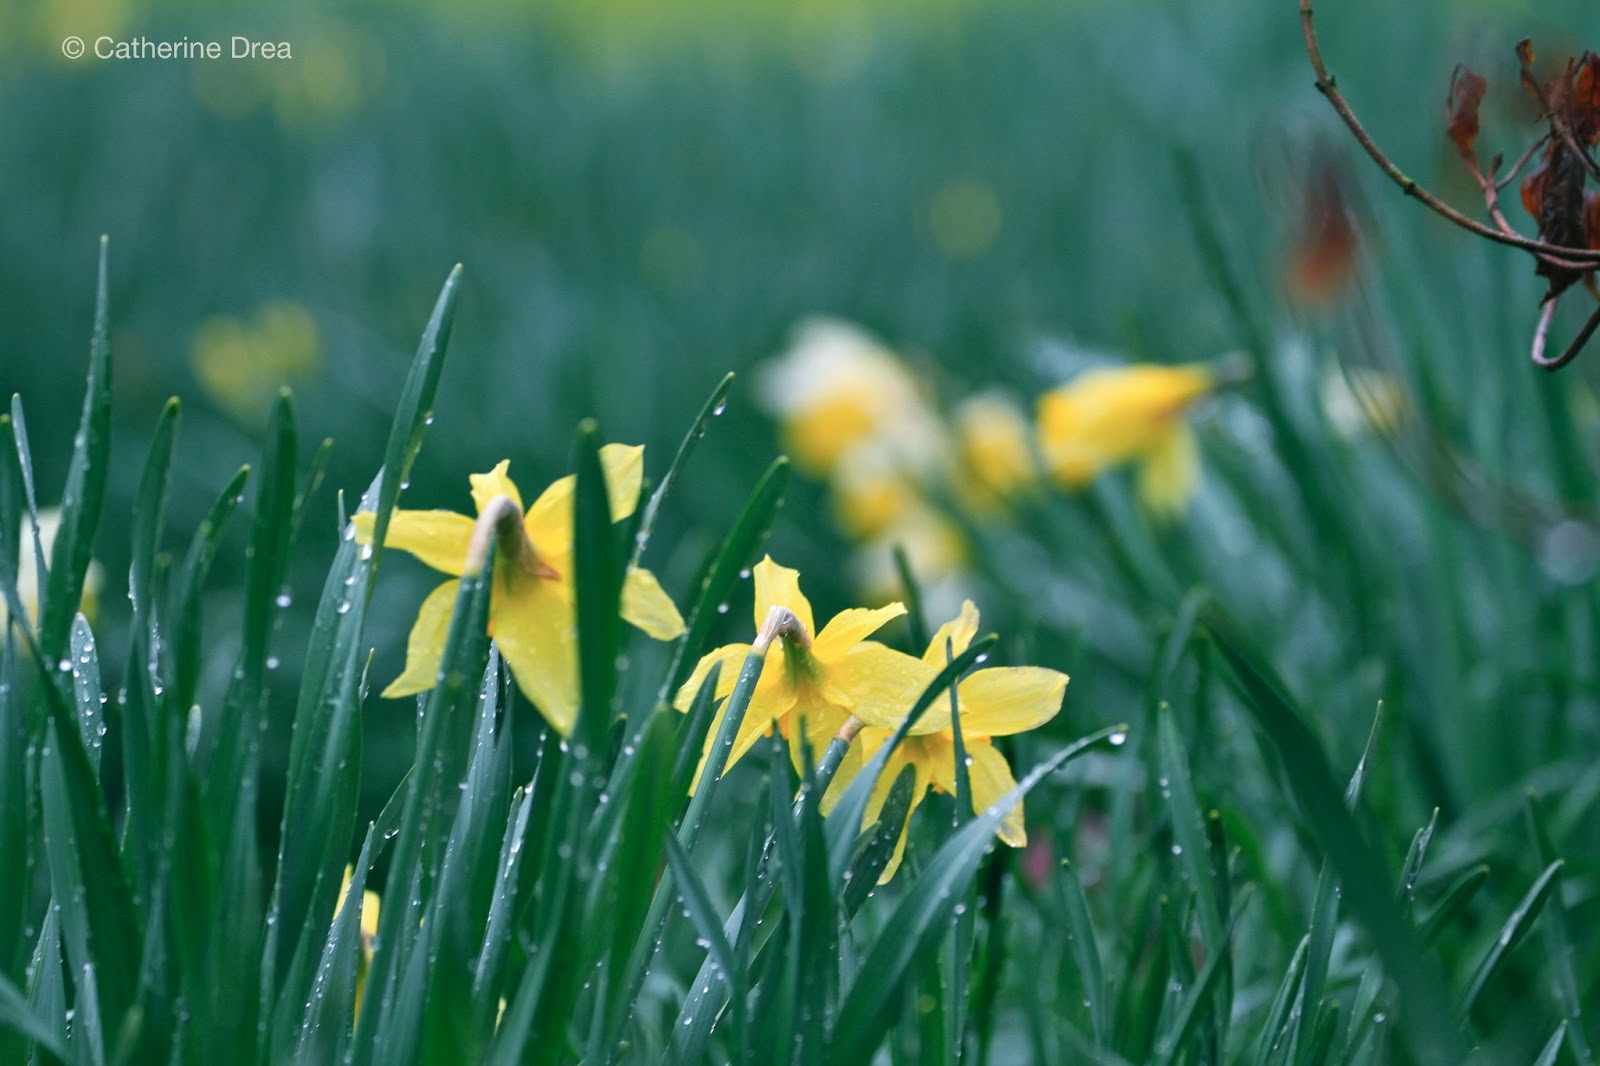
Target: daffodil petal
(647,606)
(731,656)
(767,709)
(954,637)
(884,683)
(990,779)
(532,622)
(486,487)
(849,628)
(549,520)
(1170,473)
(425,646)
(779,586)
(438,538)
(815,721)
(1003,700)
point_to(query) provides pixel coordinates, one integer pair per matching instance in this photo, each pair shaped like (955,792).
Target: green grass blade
(1516,927)
(715,404)
(414,412)
(84,494)
(1431,1034)
(86,691)
(736,555)
(1453,902)
(1552,1047)
(1085,953)
(1176,1042)
(1558,941)
(704,916)
(873,1000)
(1416,854)
(18,1017)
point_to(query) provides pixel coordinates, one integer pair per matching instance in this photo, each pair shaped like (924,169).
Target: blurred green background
(647,195)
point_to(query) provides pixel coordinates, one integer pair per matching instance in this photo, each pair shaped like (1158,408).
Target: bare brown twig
(1330,90)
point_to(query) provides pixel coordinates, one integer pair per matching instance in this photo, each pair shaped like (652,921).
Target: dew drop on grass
(1117,739)
(284,599)
(722,405)
(722,608)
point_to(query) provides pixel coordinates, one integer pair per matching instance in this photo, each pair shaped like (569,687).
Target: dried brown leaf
(1461,111)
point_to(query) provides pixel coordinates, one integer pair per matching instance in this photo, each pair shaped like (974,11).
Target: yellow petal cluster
(531,605)
(808,686)
(1105,418)
(992,702)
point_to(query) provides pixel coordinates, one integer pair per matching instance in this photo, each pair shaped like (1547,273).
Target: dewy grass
(1199,885)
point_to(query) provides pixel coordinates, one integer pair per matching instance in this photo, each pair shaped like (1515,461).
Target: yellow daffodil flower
(1107,417)
(531,606)
(29,584)
(836,388)
(812,682)
(369,931)
(993,702)
(873,492)
(994,441)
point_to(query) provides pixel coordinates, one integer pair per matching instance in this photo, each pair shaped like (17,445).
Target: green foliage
(1256,868)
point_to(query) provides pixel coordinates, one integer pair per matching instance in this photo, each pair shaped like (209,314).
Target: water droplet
(722,405)
(272,662)
(284,599)
(1118,739)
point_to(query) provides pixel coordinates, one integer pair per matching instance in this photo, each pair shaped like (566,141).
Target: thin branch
(1516,169)
(1408,185)
(1541,334)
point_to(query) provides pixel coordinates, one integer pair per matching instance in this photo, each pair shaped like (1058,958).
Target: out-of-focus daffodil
(242,362)
(30,582)
(873,492)
(809,686)
(1106,417)
(934,548)
(993,702)
(1360,400)
(836,388)
(995,445)
(369,932)
(531,606)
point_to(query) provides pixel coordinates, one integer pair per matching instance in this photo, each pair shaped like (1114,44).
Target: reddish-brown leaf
(1583,101)
(1530,80)
(1461,111)
(1591,218)
(1327,250)
(1533,188)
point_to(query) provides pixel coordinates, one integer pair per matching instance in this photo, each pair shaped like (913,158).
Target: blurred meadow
(1393,506)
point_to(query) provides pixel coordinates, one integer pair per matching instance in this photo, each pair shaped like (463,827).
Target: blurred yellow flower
(873,492)
(369,932)
(995,444)
(1104,418)
(241,363)
(815,682)
(836,387)
(993,702)
(934,547)
(531,606)
(29,583)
